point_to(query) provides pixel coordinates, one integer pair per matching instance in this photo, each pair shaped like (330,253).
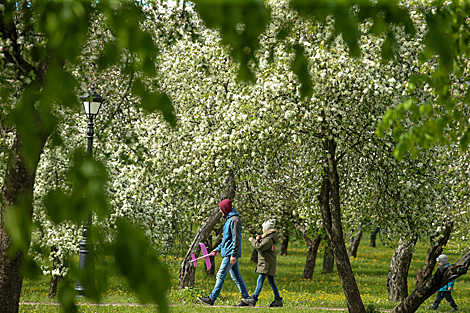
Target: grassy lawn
(323,291)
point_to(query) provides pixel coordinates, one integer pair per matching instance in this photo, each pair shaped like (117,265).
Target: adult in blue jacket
(230,251)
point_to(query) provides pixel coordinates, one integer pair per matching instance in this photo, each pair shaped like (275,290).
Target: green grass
(323,291)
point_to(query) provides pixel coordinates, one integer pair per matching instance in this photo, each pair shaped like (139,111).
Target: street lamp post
(92,103)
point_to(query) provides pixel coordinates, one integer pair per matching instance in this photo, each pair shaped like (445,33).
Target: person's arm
(237,241)
(263,244)
(450,286)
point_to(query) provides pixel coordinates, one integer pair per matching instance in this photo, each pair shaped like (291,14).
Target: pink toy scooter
(204,256)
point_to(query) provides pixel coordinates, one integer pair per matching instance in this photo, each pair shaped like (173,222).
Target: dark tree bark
(17,194)
(435,249)
(311,257)
(54,279)
(352,252)
(312,251)
(433,284)
(397,279)
(283,242)
(328,259)
(329,200)
(187,270)
(18,183)
(373,237)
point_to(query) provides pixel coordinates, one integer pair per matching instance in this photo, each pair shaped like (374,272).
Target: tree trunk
(17,195)
(328,259)
(283,242)
(397,279)
(329,200)
(18,182)
(312,248)
(54,278)
(187,270)
(435,249)
(373,237)
(352,252)
(433,284)
(311,257)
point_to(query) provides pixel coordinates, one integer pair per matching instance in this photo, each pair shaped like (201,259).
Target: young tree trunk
(397,283)
(329,200)
(187,269)
(312,248)
(311,257)
(54,278)
(352,252)
(17,194)
(283,242)
(435,249)
(373,237)
(328,259)
(433,284)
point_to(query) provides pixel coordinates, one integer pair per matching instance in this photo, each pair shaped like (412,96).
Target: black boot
(276,303)
(251,301)
(206,300)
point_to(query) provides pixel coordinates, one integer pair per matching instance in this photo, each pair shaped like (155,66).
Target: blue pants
(441,295)
(225,268)
(271,282)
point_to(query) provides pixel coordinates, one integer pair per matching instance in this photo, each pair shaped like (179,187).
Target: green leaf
(109,55)
(141,266)
(301,68)
(387,47)
(152,102)
(66,295)
(29,268)
(60,208)
(240,23)
(18,224)
(465,140)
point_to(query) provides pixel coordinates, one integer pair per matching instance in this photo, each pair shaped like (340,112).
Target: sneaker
(242,304)
(206,300)
(250,301)
(276,303)
(454,310)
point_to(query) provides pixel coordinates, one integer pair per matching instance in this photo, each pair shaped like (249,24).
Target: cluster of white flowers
(166,180)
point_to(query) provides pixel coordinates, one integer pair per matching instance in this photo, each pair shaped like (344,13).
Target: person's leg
(273,287)
(448,296)
(438,300)
(259,286)
(277,298)
(225,267)
(237,278)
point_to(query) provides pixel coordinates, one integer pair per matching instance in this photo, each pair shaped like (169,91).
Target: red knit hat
(225,206)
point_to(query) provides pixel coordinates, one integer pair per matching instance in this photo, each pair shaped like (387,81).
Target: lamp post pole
(92,103)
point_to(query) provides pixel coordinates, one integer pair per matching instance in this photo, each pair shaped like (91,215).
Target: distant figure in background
(230,250)
(265,244)
(446,291)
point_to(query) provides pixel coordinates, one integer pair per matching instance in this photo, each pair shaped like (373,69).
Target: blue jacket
(449,285)
(232,236)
